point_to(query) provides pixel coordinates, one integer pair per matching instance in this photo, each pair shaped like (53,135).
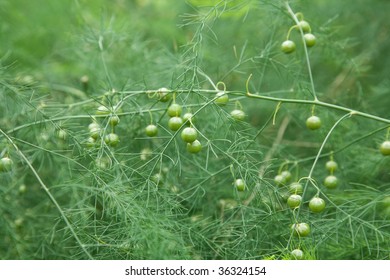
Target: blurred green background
(146,44)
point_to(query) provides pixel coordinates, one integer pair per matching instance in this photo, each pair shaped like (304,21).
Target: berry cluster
(303,26)
(189,134)
(222,98)
(331,181)
(96,132)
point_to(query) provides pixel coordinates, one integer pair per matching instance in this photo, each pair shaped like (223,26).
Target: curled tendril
(223,85)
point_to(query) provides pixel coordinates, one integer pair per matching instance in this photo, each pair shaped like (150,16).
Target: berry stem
(313,110)
(289,31)
(151,117)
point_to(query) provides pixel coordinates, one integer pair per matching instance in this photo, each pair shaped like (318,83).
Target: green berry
(317,204)
(238,115)
(157,179)
(188,118)
(310,39)
(94,132)
(240,185)
(305,26)
(313,123)
(288,46)
(93,125)
(6,164)
(295,188)
(175,123)
(221,98)
(174,110)
(113,120)
(280,180)
(194,147)
(189,134)
(331,182)
(301,229)
(297,254)
(102,110)
(287,175)
(294,201)
(62,134)
(91,142)
(151,130)
(111,139)
(331,166)
(385,148)
(163,94)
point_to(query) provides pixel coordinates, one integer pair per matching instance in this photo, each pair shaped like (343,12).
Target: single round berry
(194,147)
(240,185)
(385,148)
(280,180)
(295,188)
(188,118)
(145,154)
(287,175)
(331,165)
(94,132)
(103,163)
(6,164)
(19,222)
(297,254)
(163,94)
(102,110)
(174,110)
(62,134)
(305,26)
(331,182)
(317,204)
(151,130)
(301,229)
(22,189)
(111,139)
(93,125)
(113,120)
(221,98)
(294,201)
(238,115)
(84,79)
(313,123)
(175,123)
(91,142)
(310,39)
(288,46)
(189,134)
(157,179)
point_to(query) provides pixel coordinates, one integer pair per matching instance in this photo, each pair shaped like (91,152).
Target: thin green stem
(319,103)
